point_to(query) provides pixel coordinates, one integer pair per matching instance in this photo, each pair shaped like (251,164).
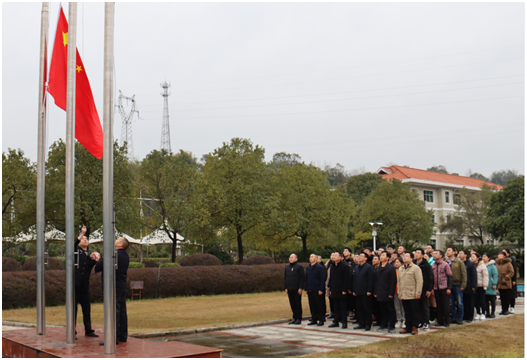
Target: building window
(433,242)
(433,219)
(457,199)
(447,197)
(428,196)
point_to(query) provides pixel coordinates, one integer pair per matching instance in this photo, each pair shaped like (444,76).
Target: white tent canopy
(97,237)
(52,234)
(160,236)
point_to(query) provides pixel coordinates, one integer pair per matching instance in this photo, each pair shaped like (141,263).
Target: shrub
(19,288)
(169,264)
(133,264)
(10,264)
(200,260)
(20,258)
(150,264)
(53,264)
(258,260)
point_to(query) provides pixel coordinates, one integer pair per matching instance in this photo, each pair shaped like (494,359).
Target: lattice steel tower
(165,127)
(126,127)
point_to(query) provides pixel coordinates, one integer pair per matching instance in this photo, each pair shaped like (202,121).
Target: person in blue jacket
(315,288)
(490,294)
(363,283)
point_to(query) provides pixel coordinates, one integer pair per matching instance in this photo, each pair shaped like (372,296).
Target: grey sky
(360,84)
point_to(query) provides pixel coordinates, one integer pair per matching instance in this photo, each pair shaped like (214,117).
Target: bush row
(19,288)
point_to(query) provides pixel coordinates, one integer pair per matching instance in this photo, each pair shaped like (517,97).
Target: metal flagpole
(70,173)
(41,172)
(107,199)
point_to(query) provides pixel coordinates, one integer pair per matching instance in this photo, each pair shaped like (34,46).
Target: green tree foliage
(18,192)
(404,216)
(236,191)
(360,186)
(88,189)
(336,175)
(282,159)
(308,209)
(503,176)
(170,179)
(505,216)
(440,168)
(470,215)
(479,176)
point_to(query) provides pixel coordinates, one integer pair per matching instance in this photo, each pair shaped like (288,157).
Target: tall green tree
(440,168)
(88,189)
(505,215)
(336,175)
(282,159)
(235,190)
(404,216)
(503,176)
(171,179)
(360,186)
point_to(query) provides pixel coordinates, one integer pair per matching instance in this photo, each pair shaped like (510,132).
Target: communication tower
(126,127)
(165,127)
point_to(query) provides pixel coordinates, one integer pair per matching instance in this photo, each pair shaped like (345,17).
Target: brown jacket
(410,282)
(505,273)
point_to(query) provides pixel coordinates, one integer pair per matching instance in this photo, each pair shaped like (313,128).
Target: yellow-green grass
(148,316)
(497,338)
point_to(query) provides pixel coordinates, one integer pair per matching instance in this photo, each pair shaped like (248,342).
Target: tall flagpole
(107,194)
(41,172)
(70,173)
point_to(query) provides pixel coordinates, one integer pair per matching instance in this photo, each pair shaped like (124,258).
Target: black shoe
(368,328)
(92,334)
(447,325)
(468,321)
(310,319)
(492,316)
(459,322)
(102,343)
(344,326)
(298,322)
(312,323)
(320,323)
(292,322)
(504,313)
(359,327)
(334,325)
(382,329)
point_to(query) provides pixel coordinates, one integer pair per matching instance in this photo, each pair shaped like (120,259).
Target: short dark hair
(384,252)
(474,249)
(402,246)
(507,251)
(464,251)
(432,246)
(421,250)
(486,253)
(409,252)
(376,256)
(477,255)
(367,248)
(454,249)
(339,253)
(391,246)
(365,255)
(440,251)
(347,248)
(400,259)
(125,243)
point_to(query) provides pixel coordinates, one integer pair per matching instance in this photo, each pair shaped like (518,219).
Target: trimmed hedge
(135,265)
(10,264)
(54,264)
(150,264)
(169,264)
(19,288)
(201,260)
(258,260)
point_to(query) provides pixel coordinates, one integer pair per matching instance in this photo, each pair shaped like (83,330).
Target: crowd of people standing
(396,288)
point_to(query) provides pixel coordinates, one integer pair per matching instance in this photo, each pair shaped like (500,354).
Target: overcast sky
(360,84)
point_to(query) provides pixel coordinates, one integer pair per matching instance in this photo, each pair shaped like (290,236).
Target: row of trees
(497,177)
(230,199)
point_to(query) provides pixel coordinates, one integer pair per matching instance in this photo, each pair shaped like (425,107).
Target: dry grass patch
(496,338)
(147,316)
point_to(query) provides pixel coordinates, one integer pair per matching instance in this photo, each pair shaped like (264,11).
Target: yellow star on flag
(65,38)
(79,68)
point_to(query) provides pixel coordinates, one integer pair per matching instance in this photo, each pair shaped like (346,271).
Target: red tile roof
(402,172)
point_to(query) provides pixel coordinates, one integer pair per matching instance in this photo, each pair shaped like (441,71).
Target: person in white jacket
(483,282)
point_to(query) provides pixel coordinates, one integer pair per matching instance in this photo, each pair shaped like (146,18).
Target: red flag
(88,130)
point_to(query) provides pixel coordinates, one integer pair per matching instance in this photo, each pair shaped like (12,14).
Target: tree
(308,209)
(171,179)
(505,215)
(404,216)
(503,176)
(235,191)
(336,175)
(88,189)
(282,159)
(470,215)
(360,186)
(479,176)
(440,168)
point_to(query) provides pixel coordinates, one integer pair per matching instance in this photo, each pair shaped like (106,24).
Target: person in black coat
(428,285)
(293,285)
(121,273)
(315,288)
(338,290)
(469,292)
(348,257)
(386,280)
(86,262)
(363,283)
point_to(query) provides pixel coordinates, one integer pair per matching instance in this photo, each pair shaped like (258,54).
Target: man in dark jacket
(315,288)
(86,262)
(121,273)
(363,283)
(428,285)
(338,290)
(470,291)
(384,290)
(348,257)
(293,285)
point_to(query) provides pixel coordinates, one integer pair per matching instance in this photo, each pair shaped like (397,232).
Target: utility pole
(126,125)
(165,127)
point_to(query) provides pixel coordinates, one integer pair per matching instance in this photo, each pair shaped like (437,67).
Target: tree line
(232,199)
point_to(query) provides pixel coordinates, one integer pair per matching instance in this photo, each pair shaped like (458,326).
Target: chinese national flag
(88,130)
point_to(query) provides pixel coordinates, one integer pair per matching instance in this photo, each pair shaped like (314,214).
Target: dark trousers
(479,301)
(505,297)
(340,310)
(514,295)
(295,301)
(82,297)
(376,308)
(351,303)
(411,313)
(443,307)
(317,306)
(331,307)
(388,314)
(364,310)
(490,299)
(424,310)
(468,306)
(120,315)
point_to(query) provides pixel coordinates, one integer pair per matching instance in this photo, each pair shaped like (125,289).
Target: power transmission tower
(126,127)
(165,127)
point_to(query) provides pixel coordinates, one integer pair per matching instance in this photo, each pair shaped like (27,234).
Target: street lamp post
(374,234)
